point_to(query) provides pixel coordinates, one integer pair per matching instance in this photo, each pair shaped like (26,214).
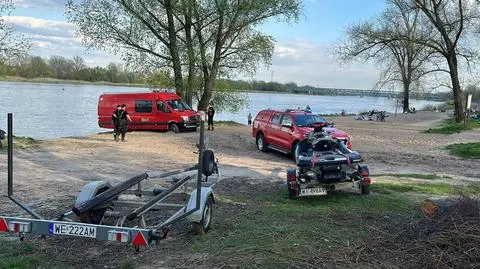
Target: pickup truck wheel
(174,128)
(261,144)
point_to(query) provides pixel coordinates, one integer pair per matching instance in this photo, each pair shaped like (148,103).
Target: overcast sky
(302,51)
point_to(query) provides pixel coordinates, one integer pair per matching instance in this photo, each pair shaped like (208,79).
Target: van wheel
(173,127)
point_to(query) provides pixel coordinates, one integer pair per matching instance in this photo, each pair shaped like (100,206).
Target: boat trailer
(127,202)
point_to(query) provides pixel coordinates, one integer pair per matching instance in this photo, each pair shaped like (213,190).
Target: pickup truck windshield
(178,104)
(308,120)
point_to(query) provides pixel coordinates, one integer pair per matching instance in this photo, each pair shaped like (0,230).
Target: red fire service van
(149,111)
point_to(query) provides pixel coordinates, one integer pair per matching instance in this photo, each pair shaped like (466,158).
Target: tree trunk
(191,54)
(457,91)
(173,48)
(210,79)
(406,96)
(208,90)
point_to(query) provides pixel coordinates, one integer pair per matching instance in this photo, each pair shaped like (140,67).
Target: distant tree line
(28,66)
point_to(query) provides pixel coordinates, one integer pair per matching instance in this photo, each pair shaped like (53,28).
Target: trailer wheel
(208,163)
(203,226)
(174,128)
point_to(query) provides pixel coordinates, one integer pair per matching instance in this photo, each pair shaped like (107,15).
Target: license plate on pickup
(73,229)
(313,191)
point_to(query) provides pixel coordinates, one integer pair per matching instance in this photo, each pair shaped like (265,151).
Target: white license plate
(75,230)
(313,191)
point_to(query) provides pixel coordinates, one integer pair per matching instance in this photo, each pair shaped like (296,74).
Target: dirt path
(50,175)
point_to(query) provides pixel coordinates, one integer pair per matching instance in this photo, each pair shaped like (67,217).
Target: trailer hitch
(157,236)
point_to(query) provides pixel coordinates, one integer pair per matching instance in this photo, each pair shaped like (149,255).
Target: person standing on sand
(249,117)
(115,121)
(123,121)
(210,114)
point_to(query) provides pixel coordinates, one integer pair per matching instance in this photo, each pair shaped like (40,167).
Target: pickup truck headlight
(184,118)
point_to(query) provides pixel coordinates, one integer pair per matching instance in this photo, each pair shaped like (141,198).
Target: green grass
(280,233)
(20,142)
(272,231)
(465,150)
(21,255)
(449,126)
(472,189)
(276,232)
(126,265)
(417,176)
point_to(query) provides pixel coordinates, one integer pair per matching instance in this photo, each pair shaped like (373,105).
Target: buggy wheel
(173,127)
(291,192)
(203,226)
(261,144)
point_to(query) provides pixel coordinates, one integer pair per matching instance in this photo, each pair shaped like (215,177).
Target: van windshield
(178,104)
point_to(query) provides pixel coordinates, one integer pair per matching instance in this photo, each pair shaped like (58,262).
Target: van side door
(142,117)
(162,115)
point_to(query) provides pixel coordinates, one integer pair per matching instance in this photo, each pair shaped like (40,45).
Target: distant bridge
(378,93)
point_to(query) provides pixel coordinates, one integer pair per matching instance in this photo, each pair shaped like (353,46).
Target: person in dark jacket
(210,114)
(308,109)
(115,121)
(123,121)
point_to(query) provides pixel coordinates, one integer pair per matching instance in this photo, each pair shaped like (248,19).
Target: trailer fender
(197,215)
(90,190)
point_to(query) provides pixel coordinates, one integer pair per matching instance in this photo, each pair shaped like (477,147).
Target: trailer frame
(97,200)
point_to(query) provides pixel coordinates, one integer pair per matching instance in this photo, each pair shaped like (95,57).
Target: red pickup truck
(282,130)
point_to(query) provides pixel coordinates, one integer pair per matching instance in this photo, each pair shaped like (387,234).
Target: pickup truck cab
(149,111)
(282,130)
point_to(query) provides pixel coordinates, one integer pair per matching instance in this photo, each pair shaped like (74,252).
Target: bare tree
(61,66)
(447,25)
(78,63)
(12,44)
(376,41)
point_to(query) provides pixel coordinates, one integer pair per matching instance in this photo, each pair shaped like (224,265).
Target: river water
(44,111)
